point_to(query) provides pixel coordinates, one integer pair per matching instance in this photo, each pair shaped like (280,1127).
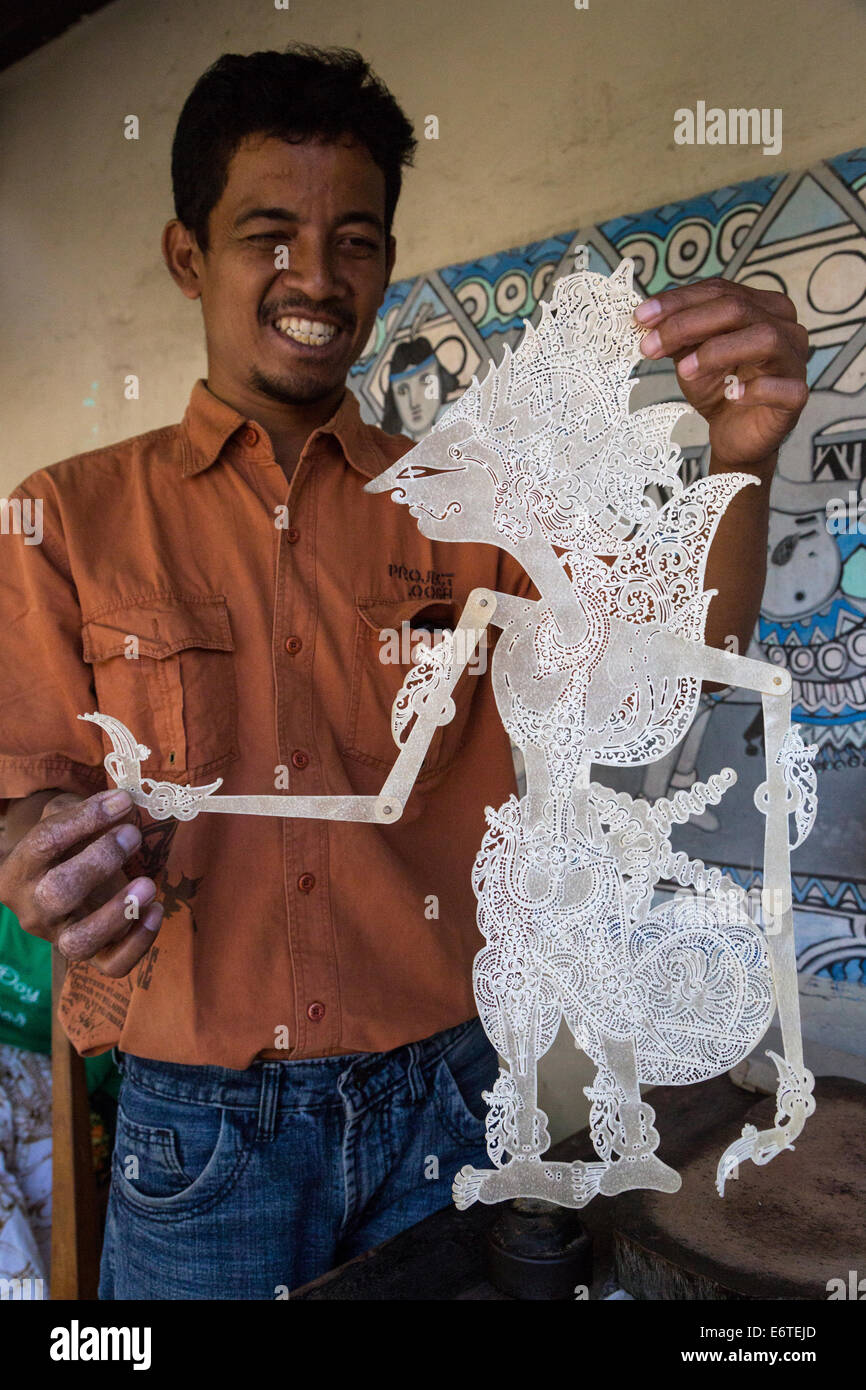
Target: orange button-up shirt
(235,622)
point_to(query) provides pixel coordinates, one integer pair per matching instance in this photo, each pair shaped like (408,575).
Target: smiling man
(290,1000)
(280,345)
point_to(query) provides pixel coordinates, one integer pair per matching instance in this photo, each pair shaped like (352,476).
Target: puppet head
(545,443)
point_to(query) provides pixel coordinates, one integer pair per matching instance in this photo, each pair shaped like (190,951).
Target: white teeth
(306,330)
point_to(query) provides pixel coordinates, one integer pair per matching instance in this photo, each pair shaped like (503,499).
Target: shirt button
(316,1011)
(293,645)
(306,883)
(250,436)
(300,758)
(293,534)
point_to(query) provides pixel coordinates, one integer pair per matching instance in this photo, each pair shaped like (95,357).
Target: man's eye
(268,236)
(362,243)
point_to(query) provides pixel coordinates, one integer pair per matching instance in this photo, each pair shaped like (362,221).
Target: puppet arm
(430,699)
(789,789)
(427,693)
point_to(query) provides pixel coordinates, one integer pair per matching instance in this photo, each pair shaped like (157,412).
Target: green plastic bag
(25,1001)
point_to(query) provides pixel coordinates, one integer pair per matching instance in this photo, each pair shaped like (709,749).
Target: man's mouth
(309,332)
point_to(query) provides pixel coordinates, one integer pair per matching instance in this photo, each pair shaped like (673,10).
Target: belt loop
(417,1088)
(268,1101)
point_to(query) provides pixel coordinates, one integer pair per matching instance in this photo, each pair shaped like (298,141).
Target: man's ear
(182,256)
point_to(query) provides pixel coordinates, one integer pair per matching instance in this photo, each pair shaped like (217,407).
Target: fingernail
(648,312)
(142,890)
(651,344)
(152,920)
(115,802)
(689,365)
(128,836)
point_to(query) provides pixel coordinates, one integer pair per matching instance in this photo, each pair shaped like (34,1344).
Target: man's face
(326,204)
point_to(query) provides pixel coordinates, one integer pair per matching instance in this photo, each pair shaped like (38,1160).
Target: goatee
(290,392)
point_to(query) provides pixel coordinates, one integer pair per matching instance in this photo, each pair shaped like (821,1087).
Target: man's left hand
(718,330)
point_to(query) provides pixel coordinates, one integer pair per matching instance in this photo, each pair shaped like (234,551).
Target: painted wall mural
(804,233)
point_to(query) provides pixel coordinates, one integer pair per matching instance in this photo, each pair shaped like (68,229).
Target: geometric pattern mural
(803,233)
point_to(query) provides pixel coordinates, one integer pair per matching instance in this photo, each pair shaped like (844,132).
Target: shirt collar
(209,423)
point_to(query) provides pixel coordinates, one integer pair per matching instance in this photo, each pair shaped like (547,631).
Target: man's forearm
(737,563)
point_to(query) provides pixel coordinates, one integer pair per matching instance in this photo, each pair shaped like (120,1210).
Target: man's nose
(311,270)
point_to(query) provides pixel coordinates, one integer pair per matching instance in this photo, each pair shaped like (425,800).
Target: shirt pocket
(164,665)
(380,664)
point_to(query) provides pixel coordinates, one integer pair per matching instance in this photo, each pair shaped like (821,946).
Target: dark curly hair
(300,94)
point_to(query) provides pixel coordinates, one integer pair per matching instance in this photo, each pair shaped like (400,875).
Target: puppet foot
(567,1184)
(466,1187)
(638,1171)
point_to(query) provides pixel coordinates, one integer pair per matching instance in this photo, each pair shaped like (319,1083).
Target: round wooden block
(782,1230)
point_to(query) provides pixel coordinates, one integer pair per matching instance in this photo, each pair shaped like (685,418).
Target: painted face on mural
(803,565)
(417,397)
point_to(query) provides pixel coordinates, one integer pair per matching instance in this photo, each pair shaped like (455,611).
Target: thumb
(60,802)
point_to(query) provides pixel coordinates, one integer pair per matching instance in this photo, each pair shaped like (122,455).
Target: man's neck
(288,426)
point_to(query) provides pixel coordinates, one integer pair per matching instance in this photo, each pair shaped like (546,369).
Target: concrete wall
(549,117)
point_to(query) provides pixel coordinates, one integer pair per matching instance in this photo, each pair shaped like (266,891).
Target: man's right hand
(64,881)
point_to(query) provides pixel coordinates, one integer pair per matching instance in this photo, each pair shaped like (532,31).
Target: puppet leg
(629,1131)
(517,1126)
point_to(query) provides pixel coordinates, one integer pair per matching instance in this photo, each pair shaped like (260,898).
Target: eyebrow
(284,215)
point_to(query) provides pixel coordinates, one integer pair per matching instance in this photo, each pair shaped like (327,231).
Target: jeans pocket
(467,1069)
(171,1155)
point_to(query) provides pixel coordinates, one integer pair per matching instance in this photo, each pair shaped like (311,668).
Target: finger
(65,887)
(725,314)
(59,802)
(667,302)
(109,924)
(119,960)
(60,831)
(764,344)
(783,393)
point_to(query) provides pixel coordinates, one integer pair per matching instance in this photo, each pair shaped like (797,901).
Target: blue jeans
(246,1184)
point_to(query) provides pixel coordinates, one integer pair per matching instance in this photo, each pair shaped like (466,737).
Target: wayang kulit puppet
(543,459)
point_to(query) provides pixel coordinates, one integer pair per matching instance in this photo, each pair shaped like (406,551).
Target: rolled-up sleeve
(45,683)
